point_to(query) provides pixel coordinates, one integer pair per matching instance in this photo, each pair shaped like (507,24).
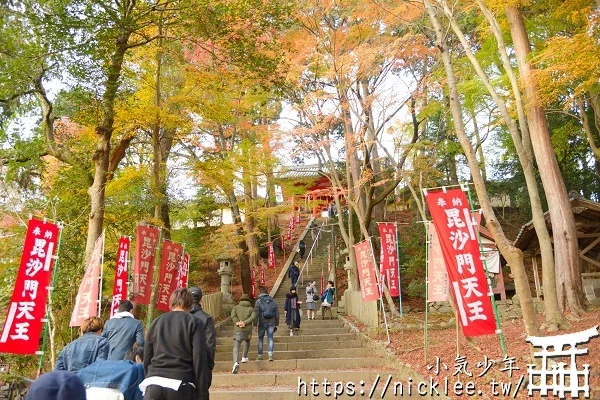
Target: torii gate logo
(561,378)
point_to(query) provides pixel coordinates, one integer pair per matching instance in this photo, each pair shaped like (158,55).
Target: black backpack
(268,308)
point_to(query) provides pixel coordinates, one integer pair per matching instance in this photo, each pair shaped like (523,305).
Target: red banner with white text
(121,274)
(271,255)
(87,300)
(27,307)
(170,263)
(366,272)
(184,270)
(389,257)
(457,231)
(146,243)
(262,276)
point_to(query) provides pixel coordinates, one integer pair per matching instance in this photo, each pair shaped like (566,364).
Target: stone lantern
(225,271)
(348,268)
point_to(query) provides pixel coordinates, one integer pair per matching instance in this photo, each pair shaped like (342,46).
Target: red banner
(282,242)
(146,243)
(253,281)
(437,277)
(457,232)
(366,272)
(170,263)
(27,307)
(184,270)
(87,300)
(290,228)
(298,216)
(262,276)
(271,255)
(121,274)
(322,283)
(389,257)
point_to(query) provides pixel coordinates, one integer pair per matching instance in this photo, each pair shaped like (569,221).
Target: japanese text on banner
(458,235)
(27,307)
(184,271)
(171,258)
(121,275)
(271,255)
(146,243)
(389,257)
(437,277)
(366,272)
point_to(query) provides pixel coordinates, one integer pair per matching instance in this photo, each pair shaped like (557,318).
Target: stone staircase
(320,350)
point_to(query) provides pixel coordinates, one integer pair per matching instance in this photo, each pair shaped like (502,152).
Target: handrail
(309,255)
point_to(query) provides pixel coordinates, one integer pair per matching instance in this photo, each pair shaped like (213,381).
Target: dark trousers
(185,392)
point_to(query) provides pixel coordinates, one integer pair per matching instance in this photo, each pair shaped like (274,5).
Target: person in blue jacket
(327,300)
(86,349)
(114,380)
(122,331)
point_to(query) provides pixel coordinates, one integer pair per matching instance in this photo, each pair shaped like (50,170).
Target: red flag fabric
(290,228)
(271,255)
(298,216)
(282,241)
(121,274)
(457,232)
(253,281)
(170,263)
(86,302)
(322,283)
(437,277)
(146,242)
(389,257)
(27,307)
(184,270)
(366,272)
(262,276)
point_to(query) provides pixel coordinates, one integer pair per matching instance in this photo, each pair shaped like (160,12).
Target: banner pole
(101,274)
(398,260)
(153,294)
(387,330)
(427,242)
(489,283)
(49,304)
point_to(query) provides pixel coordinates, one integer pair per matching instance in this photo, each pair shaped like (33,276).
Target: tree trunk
(245,272)
(569,284)
(522,144)
(512,255)
(481,161)
(101,157)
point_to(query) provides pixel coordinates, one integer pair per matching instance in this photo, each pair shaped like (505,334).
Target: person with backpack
(301,248)
(294,273)
(327,300)
(267,319)
(311,298)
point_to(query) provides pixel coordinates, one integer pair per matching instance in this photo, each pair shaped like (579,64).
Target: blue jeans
(270,329)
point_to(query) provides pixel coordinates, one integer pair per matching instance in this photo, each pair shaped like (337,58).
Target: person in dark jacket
(242,316)
(122,331)
(263,306)
(292,310)
(209,333)
(294,273)
(57,385)
(301,248)
(115,380)
(175,353)
(86,349)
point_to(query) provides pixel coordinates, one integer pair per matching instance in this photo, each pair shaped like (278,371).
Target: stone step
(350,344)
(304,364)
(225,353)
(345,337)
(228,331)
(290,379)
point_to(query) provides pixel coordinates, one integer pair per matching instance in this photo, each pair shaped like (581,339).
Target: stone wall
(507,309)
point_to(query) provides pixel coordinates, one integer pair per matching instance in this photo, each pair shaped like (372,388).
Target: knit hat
(57,385)
(196,293)
(292,288)
(244,297)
